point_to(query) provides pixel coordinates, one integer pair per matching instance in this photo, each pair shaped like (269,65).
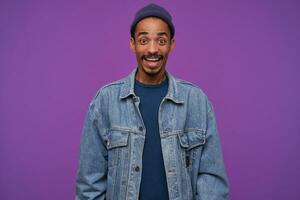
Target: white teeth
(152,59)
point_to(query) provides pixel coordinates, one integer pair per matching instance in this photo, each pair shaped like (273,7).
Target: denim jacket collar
(173,93)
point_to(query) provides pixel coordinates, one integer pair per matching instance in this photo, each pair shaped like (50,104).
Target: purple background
(55,54)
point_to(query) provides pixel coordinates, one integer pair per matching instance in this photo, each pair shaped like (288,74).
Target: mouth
(152,61)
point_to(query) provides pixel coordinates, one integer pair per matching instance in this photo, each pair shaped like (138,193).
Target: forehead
(152,25)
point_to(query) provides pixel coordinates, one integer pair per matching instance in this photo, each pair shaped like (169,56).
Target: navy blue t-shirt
(153,183)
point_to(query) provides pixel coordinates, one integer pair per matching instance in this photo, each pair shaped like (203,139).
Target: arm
(92,172)
(212,180)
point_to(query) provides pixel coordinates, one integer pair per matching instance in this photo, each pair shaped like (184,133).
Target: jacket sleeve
(92,172)
(212,183)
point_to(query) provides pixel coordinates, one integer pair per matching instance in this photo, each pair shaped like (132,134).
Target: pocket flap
(117,139)
(192,138)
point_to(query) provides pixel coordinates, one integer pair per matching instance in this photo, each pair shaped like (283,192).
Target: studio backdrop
(54,55)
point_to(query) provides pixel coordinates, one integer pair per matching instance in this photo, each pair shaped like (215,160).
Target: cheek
(165,54)
(139,56)
(139,52)
(165,51)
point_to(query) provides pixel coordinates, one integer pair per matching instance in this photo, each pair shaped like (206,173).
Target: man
(150,136)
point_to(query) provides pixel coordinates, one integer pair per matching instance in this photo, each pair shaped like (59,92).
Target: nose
(152,48)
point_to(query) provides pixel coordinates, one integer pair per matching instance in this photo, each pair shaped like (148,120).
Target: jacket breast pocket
(192,138)
(191,141)
(116,145)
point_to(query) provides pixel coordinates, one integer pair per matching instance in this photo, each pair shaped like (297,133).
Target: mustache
(152,56)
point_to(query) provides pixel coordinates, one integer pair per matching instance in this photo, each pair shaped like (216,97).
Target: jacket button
(135,99)
(137,168)
(141,128)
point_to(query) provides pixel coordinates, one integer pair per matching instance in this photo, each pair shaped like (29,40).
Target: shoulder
(193,94)
(188,87)
(112,85)
(108,90)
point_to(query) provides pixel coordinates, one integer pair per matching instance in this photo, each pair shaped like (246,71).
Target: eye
(162,41)
(143,41)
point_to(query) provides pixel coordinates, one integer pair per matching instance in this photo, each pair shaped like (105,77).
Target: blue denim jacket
(114,134)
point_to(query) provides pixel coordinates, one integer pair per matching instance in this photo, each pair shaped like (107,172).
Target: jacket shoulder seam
(118,82)
(184,82)
(102,88)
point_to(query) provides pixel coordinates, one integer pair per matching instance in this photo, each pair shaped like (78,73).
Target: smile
(152,58)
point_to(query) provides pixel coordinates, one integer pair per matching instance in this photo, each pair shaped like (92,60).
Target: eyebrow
(146,33)
(142,33)
(162,33)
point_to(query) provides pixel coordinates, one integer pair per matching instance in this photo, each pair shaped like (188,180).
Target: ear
(132,45)
(172,45)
